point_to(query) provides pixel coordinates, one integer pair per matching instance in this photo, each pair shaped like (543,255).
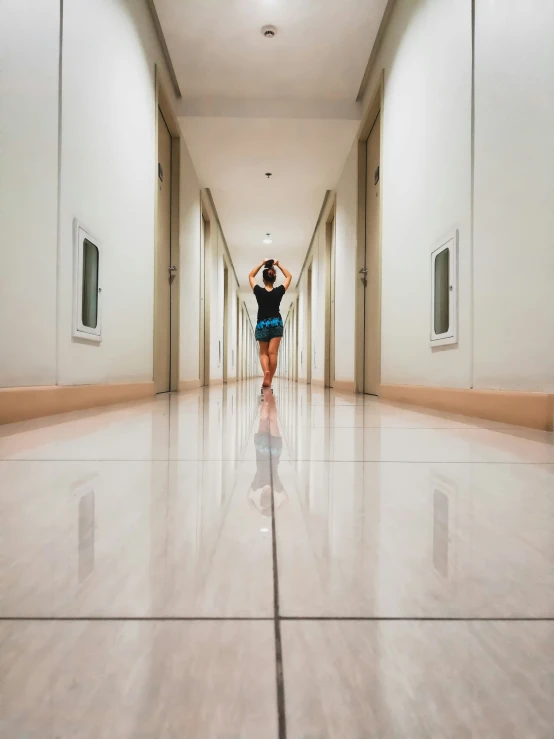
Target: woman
(269,329)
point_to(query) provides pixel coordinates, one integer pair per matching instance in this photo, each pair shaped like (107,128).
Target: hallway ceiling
(320,51)
(285,105)
(305,157)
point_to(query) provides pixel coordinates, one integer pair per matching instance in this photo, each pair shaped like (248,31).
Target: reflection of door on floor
(205,300)
(309,348)
(372,359)
(163,271)
(237,340)
(330,307)
(225,323)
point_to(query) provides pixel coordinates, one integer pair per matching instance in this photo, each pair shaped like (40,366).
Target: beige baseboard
(344,386)
(23,403)
(188,385)
(532,410)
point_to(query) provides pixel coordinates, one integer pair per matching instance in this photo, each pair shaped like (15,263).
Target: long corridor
(316,564)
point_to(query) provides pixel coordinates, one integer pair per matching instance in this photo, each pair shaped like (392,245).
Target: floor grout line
(254,619)
(460,619)
(137,618)
(280,679)
(302,459)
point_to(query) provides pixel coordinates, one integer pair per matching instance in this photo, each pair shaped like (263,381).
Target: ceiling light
(267,240)
(269,31)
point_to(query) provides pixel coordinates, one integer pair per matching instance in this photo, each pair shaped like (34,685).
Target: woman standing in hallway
(269,328)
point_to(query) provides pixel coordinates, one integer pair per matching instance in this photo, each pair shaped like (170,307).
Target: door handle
(172,269)
(363,271)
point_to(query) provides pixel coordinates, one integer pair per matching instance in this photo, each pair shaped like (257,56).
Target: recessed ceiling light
(267,240)
(269,31)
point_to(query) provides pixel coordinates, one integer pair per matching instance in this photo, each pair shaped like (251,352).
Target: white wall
(108,181)
(317,258)
(345,268)
(217,257)
(426,183)
(189,268)
(426,192)
(514,195)
(29,62)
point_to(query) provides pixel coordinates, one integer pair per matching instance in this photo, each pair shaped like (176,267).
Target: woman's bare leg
(273,352)
(264,361)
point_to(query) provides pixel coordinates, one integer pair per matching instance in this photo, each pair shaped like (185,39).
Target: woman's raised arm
(254,272)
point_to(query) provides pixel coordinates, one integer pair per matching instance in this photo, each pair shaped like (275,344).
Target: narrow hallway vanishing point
(314,564)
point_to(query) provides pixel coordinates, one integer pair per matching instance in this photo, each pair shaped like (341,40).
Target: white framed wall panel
(82,329)
(444,292)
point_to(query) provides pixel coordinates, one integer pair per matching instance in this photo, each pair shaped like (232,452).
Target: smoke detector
(269,31)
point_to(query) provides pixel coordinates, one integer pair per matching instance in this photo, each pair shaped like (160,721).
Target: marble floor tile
(383,415)
(391,680)
(216,424)
(135,539)
(413,540)
(470,445)
(137,680)
(138,571)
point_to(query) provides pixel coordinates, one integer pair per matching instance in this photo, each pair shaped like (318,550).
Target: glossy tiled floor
(316,566)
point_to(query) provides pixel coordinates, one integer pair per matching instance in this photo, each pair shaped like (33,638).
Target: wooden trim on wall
(374,109)
(375,49)
(23,403)
(344,386)
(532,410)
(163,102)
(163,45)
(185,385)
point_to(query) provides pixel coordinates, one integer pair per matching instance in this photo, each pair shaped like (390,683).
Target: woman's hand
(276,263)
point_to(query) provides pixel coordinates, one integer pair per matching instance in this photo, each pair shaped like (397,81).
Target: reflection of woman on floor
(269,328)
(268,445)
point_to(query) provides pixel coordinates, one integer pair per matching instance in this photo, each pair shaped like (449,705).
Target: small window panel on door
(87,285)
(444,292)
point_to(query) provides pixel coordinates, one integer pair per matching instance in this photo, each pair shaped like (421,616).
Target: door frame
(375,109)
(226,322)
(238,375)
(163,103)
(309,322)
(296,332)
(330,252)
(204,354)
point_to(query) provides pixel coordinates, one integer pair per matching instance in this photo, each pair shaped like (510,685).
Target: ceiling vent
(269,31)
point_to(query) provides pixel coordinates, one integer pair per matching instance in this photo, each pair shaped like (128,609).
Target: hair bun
(269,263)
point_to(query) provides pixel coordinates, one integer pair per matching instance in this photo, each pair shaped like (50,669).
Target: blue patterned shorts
(270,328)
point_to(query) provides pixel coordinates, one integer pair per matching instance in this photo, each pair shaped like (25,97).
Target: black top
(268,301)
